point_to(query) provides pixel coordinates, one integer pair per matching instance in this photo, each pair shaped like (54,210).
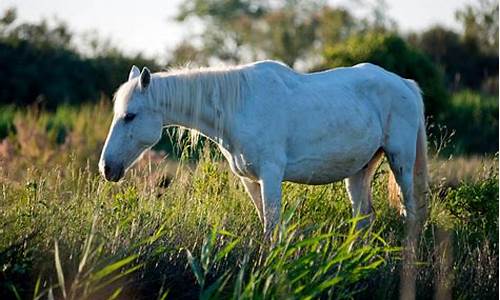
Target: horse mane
(189,90)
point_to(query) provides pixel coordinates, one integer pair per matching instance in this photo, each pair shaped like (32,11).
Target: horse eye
(128,117)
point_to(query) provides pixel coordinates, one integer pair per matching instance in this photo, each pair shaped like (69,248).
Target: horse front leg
(270,182)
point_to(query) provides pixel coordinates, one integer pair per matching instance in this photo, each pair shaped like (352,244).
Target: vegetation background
(183,226)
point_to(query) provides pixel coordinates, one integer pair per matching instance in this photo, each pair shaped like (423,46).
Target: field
(179,229)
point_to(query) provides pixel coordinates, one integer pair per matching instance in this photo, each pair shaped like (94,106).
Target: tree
(463,63)
(39,63)
(239,30)
(480,25)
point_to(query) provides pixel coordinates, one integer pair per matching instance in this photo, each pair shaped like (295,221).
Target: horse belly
(317,171)
(329,162)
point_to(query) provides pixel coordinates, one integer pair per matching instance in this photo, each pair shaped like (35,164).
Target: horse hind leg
(402,157)
(402,163)
(405,149)
(359,190)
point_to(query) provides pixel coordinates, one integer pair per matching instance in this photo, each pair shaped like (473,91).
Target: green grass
(65,232)
(132,220)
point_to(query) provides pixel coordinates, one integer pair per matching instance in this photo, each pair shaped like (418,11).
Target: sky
(147,25)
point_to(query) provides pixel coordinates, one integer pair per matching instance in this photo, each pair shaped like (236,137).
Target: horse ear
(134,72)
(145,78)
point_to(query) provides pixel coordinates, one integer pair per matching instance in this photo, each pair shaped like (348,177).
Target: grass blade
(14,290)
(215,288)
(88,243)
(115,278)
(115,294)
(36,290)
(164,295)
(223,252)
(109,269)
(60,274)
(196,268)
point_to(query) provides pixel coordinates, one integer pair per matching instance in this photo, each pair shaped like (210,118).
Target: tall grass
(66,233)
(95,228)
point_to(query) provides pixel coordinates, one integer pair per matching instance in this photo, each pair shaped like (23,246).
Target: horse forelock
(123,94)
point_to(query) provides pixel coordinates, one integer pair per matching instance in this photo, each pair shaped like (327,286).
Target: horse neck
(202,122)
(194,105)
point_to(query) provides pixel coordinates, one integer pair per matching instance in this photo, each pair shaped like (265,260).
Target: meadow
(180,228)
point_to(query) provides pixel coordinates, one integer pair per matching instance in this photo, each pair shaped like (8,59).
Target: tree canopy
(240,30)
(40,63)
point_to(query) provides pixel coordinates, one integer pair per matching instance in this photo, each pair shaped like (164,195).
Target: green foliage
(6,120)
(125,203)
(480,22)
(56,75)
(447,49)
(478,43)
(474,118)
(475,207)
(467,213)
(297,265)
(201,236)
(41,65)
(393,53)
(236,31)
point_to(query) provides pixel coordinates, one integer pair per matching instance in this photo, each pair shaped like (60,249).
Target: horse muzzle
(111,171)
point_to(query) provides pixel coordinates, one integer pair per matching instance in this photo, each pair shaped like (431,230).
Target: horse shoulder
(257,138)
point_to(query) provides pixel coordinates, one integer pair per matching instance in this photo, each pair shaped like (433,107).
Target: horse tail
(420,171)
(394,191)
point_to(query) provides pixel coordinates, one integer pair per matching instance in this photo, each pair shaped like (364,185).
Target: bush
(52,76)
(474,118)
(447,49)
(40,64)
(6,120)
(475,207)
(394,54)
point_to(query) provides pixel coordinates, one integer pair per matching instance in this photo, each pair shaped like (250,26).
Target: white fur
(134,72)
(273,124)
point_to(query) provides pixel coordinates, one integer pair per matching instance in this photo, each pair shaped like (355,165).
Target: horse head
(136,126)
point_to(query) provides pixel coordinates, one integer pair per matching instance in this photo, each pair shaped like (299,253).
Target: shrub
(474,117)
(6,120)
(475,208)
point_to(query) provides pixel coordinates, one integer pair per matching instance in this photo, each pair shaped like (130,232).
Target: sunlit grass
(65,232)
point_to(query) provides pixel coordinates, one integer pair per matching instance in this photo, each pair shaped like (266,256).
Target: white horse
(273,124)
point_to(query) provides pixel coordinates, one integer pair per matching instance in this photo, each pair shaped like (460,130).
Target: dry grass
(457,170)
(51,193)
